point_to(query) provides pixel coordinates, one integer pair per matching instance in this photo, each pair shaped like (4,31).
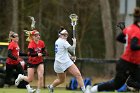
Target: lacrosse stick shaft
(74,35)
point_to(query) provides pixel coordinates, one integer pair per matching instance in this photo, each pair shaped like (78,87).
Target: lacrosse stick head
(74,19)
(33,22)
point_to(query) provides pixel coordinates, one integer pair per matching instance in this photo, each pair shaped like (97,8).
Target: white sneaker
(19,78)
(88,89)
(38,91)
(131,89)
(50,89)
(31,90)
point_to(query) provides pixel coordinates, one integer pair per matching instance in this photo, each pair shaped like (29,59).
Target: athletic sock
(28,86)
(38,90)
(94,88)
(83,88)
(51,86)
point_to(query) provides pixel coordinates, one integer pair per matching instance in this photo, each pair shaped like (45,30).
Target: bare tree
(40,14)
(22,27)
(119,46)
(85,19)
(107,27)
(15,15)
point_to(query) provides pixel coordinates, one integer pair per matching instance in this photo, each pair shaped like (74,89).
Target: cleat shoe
(31,90)
(132,89)
(88,89)
(19,78)
(50,89)
(38,91)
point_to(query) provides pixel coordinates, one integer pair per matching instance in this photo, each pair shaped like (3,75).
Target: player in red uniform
(36,49)
(132,83)
(13,60)
(128,65)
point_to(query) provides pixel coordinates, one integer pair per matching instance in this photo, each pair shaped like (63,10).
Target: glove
(73,58)
(74,41)
(121,25)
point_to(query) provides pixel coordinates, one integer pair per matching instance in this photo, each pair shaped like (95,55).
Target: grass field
(57,90)
(15,90)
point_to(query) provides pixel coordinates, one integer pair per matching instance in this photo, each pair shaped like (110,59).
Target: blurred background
(95,31)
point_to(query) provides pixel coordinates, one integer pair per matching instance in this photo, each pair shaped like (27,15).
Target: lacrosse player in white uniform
(63,61)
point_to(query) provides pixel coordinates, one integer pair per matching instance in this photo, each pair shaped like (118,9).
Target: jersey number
(126,44)
(56,48)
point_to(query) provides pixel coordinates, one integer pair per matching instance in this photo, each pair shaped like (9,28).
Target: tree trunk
(107,27)
(22,27)
(40,15)
(119,46)
(15,16)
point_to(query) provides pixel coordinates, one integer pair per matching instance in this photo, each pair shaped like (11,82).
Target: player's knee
(40,77)
(62,80)
(30,79)
(78,75)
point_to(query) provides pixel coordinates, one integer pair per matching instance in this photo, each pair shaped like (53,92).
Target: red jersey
(15,52)
(37,49)
(129,54)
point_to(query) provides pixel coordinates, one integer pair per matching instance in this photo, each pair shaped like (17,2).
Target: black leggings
(134,81)
(124,69)
(12,71)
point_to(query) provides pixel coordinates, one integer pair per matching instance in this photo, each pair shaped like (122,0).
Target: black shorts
(30,65)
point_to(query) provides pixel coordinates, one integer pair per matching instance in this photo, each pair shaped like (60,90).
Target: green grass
(15,90)
(57,90)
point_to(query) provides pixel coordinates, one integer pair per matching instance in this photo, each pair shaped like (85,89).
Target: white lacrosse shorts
(62,67)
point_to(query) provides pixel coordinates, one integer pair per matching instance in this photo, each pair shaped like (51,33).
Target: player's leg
(30,76)
(60,79)
(9,74)
(133,82)
(20,70)
(27,78)
(122,73)
(40,72)
(138,77)
(76,73)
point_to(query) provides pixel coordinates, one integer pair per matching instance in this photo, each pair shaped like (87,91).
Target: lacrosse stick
(74,19)
(32,28)
(33,22)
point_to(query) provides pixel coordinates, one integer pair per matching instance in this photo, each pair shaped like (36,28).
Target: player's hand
(121,25)
(73,58)
(74,40)
(19,59)
(39,54)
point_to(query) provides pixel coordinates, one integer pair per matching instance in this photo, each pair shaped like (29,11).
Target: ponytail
(11,36)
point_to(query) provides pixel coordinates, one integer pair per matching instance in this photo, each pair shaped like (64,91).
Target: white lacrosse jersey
(61,50)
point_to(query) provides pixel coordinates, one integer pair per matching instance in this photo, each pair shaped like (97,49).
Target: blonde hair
(29,34)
